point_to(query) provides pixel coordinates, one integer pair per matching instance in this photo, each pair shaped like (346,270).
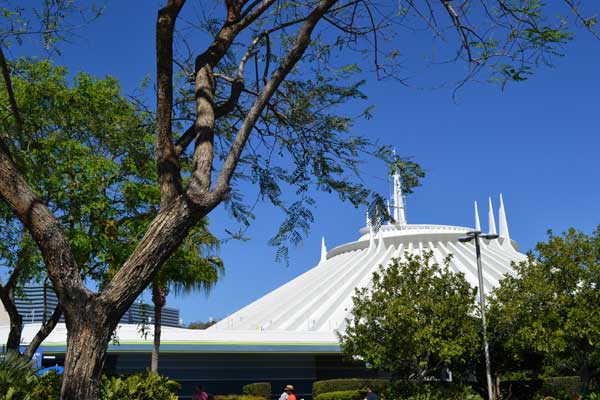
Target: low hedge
(342,395)
(262,389)
(338,385)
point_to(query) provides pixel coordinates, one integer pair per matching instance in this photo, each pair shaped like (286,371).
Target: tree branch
(166,157)
(47,232)
(43,333)
(7,298)
(302,41)
(184,141)
(9,90)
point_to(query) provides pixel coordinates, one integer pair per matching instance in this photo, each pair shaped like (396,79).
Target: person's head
(288,389)
(200,388)
(369,388)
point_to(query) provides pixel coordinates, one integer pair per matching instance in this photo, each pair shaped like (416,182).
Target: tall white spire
(477,224)
(502,220)
(399,215)
(323,251)
(491,220)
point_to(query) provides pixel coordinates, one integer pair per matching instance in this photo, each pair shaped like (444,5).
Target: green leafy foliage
(262,389)
(87,152)
(148,386)
(19,382)
(550,306)
(562,386)
(415,321)
(16,377)
(342,395)
(47,387)
(336,385)
(434,391)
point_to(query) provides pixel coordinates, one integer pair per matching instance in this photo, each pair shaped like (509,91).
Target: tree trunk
(497,385)
(16,321)
(159,299)
(87,341)
(585,377)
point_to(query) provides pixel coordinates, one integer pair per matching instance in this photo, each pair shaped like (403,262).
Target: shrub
(238,397)
(16,377)
(561,386)
(410,390)
(147,386)
(520,389)
(262,389)
(47,386)
(337,385)
(342,395)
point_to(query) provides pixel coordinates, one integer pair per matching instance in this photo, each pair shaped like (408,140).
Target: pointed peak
(491,219)
(502,219)
(323,250)
(399,215)
(477,223)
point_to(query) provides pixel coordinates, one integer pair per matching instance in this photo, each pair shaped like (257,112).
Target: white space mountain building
(287,339)
(323,294)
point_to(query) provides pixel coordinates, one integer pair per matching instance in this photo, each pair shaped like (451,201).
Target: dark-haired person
(371,395)
(200,393)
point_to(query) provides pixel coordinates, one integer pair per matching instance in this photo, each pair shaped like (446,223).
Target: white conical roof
(321,299)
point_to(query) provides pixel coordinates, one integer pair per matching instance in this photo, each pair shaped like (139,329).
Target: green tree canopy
(417,319)
(89,159)
(552,305)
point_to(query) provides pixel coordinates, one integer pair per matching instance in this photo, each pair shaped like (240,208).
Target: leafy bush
(47,386)
(520,389)
(562,386)
(147,386)
(410,390)
(16,377)
(342,395)
(262,389)
(337,385)
(238,397)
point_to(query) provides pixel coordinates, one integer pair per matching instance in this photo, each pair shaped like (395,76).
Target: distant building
(32,308)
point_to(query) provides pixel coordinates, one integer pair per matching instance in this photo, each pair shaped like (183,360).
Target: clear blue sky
(537,142)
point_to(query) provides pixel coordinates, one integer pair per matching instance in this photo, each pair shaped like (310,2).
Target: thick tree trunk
(87,342)
(159,299)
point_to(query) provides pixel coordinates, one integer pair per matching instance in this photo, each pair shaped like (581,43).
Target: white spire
(399,215)
(491,220)
(502,220)
(477,224)
(323,251)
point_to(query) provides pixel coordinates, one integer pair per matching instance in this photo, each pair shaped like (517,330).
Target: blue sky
(537,142)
